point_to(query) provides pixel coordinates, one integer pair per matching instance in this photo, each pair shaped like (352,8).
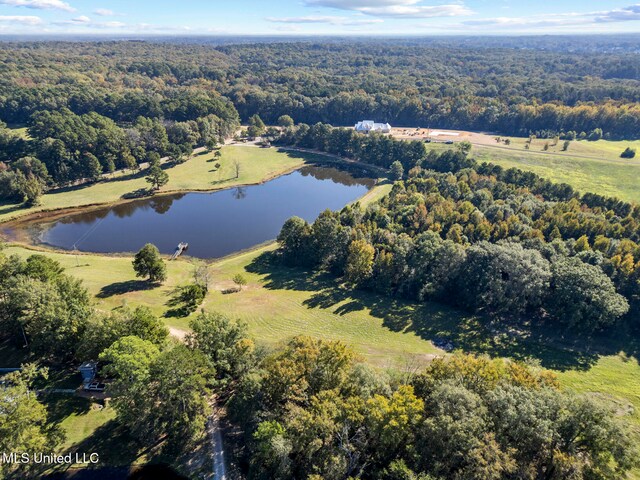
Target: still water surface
(214,224)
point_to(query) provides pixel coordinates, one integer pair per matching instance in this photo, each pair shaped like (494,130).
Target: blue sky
(343,17)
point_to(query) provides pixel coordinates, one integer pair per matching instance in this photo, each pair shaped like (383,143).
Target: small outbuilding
(88,371)
(367,126)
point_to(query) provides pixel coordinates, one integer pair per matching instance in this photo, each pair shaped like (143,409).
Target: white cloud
(40,4)
(105,12)
(626,14)
(358,4)
(394,8)
(571,19)
(328,19)
(109,24)
(22,20)
(81,19)
(84,21)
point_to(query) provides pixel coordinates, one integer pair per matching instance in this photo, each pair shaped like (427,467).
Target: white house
(367,126)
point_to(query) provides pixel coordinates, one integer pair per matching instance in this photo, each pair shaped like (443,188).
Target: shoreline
(23,239)
(54,213)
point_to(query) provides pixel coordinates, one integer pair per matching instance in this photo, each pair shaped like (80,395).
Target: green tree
(464,147)
(104,330)
(396,170)
(359,262)
(239,280)
(24,423)
(225,342)
(272,450)
(128,361)
(294,239)
(256,126)
(582,296)
(148,263)
(160,394)
(30,188)
(178,389)
(157,177)
(285,121)
(91,166)
(503,278)
(582,244)
(48,314)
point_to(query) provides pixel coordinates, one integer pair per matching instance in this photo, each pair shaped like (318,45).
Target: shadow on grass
(118,288)
(61,406)
(119,178)
(118,451)
(328,160)
(139,193)
(218,182)
(440,323)
(8,207)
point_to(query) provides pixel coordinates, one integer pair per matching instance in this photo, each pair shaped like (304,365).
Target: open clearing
(587,166)
(279,303)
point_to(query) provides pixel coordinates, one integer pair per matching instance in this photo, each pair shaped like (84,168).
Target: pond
(214,224)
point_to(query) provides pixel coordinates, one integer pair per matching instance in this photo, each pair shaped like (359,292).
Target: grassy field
(603,149)
(273,314)
(279,302)
(604,176)
(199,173)
(587,166)
(616,378)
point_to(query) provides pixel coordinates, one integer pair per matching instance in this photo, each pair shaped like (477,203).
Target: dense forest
(505,242)
(95,107)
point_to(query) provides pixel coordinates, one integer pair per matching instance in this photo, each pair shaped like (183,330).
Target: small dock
(180,249)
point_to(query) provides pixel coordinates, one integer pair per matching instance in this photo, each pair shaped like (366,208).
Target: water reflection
(214,224)
(240,193)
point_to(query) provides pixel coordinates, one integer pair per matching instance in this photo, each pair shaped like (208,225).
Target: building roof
(368,125)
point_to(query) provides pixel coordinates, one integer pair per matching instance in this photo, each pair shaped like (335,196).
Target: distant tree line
(95,107)
(510,91)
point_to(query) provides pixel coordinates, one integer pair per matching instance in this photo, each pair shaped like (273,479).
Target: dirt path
(177,333)
(219,469)
(337,157)
(219,466)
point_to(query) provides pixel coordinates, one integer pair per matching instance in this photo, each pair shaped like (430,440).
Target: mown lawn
(616,378)
(199,173)
(91,427)
(279,303)
(604,172)
(296,307)
(604,149)
(605,177)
